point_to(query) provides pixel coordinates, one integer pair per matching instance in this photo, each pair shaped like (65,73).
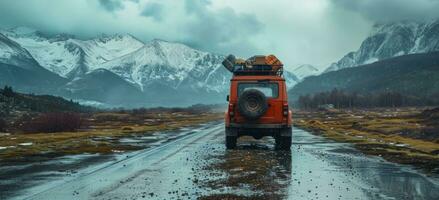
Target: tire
(252,104)
(231,142)
(283,143)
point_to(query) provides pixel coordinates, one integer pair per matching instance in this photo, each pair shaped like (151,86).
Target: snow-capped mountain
(20,69)
(172,64)
(13,54)
(120,69)
(304,71)
(69,57)
(390,40)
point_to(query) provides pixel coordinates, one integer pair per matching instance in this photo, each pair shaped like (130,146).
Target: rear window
(270,90)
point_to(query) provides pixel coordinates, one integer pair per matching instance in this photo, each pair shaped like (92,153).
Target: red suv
(258,101)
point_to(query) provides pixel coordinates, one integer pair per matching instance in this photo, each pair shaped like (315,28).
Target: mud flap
(286,132)
(231,132)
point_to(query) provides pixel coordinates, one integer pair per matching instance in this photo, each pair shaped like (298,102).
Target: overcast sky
(317,32)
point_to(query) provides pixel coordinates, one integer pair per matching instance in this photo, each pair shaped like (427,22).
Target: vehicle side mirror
(227,98)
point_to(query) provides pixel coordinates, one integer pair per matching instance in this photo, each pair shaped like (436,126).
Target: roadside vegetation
(42,127)
(402,135)
(342,99)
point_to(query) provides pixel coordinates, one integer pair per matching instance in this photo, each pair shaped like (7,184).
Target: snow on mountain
(166,62)
(390,40)
(19,69)
(105,48)
(291,79)
(119,69)
(304,71)
(69,57)
(13,54)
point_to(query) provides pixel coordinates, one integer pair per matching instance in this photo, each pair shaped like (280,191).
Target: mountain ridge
(388,40)
(155,73)
(305,70)
(414,75)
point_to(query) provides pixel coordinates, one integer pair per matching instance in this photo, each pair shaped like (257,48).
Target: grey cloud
(153,10)
(111,5)
(222,29)
(196,6)
(298,31)
(392,10)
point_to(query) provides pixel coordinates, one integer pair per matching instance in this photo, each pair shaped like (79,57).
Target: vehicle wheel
(252,104)
(283,143)
(230,142)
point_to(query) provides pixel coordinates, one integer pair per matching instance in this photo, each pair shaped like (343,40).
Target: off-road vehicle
(258,101)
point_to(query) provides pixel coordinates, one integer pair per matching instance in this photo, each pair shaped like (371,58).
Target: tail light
(285,110)
(231,110)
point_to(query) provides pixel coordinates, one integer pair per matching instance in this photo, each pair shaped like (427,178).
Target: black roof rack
(257,70)
(256,65)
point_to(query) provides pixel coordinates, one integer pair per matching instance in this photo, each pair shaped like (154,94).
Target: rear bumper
(262,126)
(258,130)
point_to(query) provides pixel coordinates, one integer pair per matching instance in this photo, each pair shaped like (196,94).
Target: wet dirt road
(197,166)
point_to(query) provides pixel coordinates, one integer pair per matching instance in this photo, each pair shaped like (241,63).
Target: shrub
(140,111)
(53,122)
(126,128)
(105,117)
(8,92)
(2,125)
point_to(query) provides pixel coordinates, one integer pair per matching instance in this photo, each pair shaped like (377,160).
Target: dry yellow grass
(378,132)
(101,125)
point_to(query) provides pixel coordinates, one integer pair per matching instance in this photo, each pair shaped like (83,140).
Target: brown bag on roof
(272,60)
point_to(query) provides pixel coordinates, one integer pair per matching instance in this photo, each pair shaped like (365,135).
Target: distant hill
(11,102)
(415,74)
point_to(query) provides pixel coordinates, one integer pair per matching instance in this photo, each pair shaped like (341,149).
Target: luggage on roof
(256,65)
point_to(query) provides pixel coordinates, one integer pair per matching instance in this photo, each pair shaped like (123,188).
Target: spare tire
(252,104)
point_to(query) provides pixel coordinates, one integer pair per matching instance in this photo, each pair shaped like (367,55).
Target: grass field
(99,133)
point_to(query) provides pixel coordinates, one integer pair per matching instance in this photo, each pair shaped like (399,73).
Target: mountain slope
(173,73)
(291,79)
(103,86)
(13,54)
(19,69)
(390,40)
(170,63)
(414,74)
(67,56)
(304,71)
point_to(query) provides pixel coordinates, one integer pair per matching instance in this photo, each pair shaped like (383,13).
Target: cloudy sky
(298,31)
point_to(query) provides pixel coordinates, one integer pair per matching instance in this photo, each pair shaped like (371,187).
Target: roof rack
(256,65)
(258,70)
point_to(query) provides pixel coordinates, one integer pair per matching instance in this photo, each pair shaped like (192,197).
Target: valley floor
(402,135)
(104,132)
